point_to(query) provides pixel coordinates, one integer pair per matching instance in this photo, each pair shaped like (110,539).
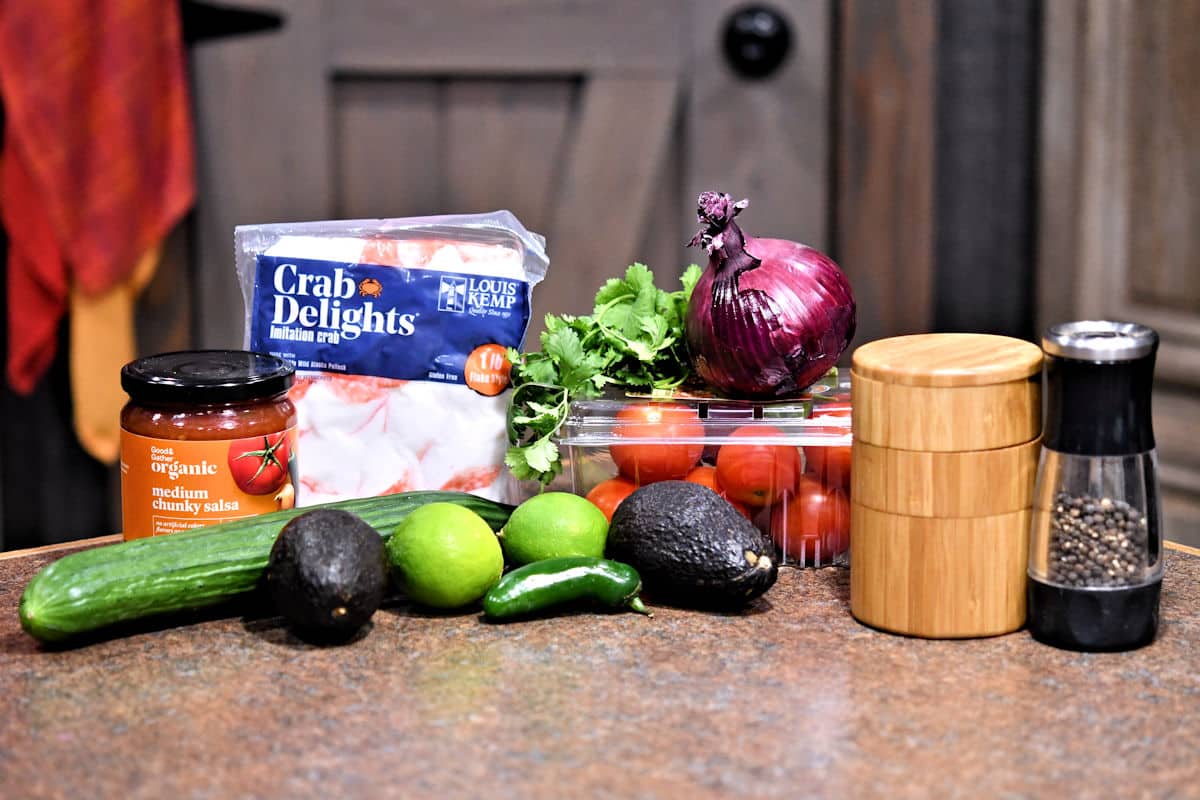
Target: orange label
(169,485)
(486,370)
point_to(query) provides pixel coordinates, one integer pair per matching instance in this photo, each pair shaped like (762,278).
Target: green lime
(445,556)
(554,524)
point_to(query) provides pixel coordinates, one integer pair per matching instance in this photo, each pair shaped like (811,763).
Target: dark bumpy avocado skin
(690,546)
(327,574)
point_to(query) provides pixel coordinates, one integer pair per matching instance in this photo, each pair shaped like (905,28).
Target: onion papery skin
(769,325)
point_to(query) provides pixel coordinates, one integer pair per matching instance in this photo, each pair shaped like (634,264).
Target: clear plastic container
(784,464)
(1095,556)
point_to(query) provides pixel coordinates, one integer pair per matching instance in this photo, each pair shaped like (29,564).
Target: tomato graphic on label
(259,465)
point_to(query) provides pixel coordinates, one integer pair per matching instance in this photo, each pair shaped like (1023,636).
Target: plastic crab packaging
(398,329)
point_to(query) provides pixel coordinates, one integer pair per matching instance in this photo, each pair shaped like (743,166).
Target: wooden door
(1120,215)
(894,139)
(597,122)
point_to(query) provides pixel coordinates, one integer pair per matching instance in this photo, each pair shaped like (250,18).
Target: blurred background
(973,165)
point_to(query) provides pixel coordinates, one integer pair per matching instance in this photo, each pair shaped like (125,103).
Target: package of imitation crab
(398,330)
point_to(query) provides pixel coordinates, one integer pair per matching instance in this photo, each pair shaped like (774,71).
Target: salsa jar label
(168,485)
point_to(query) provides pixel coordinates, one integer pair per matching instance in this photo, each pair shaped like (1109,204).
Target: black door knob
(757,40)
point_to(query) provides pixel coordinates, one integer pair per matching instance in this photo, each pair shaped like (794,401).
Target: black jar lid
(206,376)
(1100,341)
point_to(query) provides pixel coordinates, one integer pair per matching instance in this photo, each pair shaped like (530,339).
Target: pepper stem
(636,604)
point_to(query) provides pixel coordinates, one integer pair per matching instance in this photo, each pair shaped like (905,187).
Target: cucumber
(93,589)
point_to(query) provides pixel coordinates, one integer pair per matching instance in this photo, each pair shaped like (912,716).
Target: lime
(445,556)
(554,524)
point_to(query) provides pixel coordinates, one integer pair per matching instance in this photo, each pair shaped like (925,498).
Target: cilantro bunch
(633,338)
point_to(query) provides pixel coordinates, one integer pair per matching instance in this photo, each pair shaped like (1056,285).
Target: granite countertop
(792,699)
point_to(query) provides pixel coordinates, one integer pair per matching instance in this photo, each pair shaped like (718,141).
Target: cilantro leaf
(534,461)
(563,345)
(656,328)
(638,278)
(541,454)
(537,369)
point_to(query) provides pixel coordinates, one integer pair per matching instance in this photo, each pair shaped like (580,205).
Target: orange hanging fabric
(97,162)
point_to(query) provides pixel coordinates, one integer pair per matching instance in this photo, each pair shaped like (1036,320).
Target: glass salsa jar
(207,436)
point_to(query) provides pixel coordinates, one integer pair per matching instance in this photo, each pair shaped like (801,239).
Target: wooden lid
(947,359)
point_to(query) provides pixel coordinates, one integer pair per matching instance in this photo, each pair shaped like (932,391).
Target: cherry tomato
(812,525)
(757,474)
(830,465)
(259,465)
(668,458)
(707,476)
(607,495)
(831,410)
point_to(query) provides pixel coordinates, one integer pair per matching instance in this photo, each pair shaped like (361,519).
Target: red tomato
(707,476)
(831,410)
(259,465)
(757,474)
(668,459)
(830,465)
(607,495)
(812,525)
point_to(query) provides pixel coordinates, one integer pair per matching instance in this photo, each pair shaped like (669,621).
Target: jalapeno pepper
(558,581)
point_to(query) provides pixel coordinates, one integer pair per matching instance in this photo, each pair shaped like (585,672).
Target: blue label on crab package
(388,322)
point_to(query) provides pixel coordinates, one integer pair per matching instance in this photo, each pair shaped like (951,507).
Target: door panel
(505,144)
(388,136)
(766,140)
(413,147)
(506,37)
(1164,222)
(885,162)
(622,137)
(1121,196)
(667,229)
(264,136)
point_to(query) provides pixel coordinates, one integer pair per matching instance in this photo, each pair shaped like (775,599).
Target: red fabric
(97,164)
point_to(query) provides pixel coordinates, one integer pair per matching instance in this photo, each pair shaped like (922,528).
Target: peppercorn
(1097,542)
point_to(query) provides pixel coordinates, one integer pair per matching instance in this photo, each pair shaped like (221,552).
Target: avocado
(691,547)
(327,574)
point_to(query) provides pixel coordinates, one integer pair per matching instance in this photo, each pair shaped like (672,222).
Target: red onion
(768,316)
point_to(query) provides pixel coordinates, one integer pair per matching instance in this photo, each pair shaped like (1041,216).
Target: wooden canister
(945,454)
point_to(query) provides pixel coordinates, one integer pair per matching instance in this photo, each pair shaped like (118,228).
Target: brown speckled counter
(793,700)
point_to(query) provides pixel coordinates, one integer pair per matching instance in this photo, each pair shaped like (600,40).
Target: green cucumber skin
(542,585)
(92,589)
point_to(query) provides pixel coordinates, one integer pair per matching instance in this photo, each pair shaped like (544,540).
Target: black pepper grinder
(1095,556)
